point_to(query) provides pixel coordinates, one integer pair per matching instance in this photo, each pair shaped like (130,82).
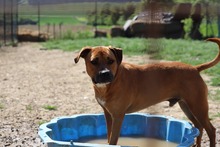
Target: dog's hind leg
(190,116)
(198,114)
(201,114)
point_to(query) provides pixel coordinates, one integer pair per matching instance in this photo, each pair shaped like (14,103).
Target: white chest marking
(101,101)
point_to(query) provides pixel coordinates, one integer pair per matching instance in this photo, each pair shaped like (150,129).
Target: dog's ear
(118,54)
(83,53)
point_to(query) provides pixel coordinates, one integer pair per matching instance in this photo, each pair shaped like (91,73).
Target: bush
(84,35)
(70,35)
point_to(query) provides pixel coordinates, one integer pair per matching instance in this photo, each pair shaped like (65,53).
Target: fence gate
(8,21)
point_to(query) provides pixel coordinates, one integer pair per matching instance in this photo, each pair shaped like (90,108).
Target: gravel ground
(32,78)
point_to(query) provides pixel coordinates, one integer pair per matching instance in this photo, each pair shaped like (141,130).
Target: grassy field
(67,13)
(134,47)
(188,51)
(57,9)
(57,19)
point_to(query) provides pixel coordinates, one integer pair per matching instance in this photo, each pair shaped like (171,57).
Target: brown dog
(122,88)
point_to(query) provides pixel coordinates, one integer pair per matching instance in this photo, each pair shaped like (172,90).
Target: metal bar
(38,9)
(96,17)
(4,23)
(218,13)
(12,21)
(16,20)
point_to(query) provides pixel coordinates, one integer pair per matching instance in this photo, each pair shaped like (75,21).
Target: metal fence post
(16,21)
(218,13)
(96,17)
(12,22)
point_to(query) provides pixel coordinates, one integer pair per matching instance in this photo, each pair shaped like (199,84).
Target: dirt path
(31,78)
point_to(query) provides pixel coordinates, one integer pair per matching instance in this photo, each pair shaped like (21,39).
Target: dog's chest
(101,101)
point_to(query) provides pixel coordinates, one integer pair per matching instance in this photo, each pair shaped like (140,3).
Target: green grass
(1,106)
(191,52)
(67,13)
(216,95)
(50,107)
(70,35)
(57,19)
(217,115)
(42,122)
(67,19)
(29,108)
(129,46)
(187,51)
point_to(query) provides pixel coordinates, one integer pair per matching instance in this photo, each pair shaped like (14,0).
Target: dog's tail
(214,61)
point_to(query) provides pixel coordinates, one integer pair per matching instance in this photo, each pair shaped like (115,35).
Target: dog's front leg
(108,120)
(116,128)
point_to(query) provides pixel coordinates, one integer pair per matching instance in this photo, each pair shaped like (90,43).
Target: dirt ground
(32,77)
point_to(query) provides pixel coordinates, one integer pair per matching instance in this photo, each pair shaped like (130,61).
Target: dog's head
(101,63)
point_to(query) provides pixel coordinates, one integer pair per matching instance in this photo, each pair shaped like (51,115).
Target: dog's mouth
(103,77)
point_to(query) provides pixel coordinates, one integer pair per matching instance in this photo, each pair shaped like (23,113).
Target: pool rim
(43,129)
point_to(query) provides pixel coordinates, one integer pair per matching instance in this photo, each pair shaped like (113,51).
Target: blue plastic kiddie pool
(68,131)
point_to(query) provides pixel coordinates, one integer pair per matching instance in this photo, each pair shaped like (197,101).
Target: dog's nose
(104,76)
(104,72)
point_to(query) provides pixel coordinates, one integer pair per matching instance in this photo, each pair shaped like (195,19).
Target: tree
(115,14)
(128,10)
(105,13)
(145,4)
(91,17)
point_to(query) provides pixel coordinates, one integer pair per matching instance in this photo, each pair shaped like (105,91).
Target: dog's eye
(110,61)
(94,62)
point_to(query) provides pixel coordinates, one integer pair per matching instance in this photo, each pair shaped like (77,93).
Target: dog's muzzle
(103,77)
